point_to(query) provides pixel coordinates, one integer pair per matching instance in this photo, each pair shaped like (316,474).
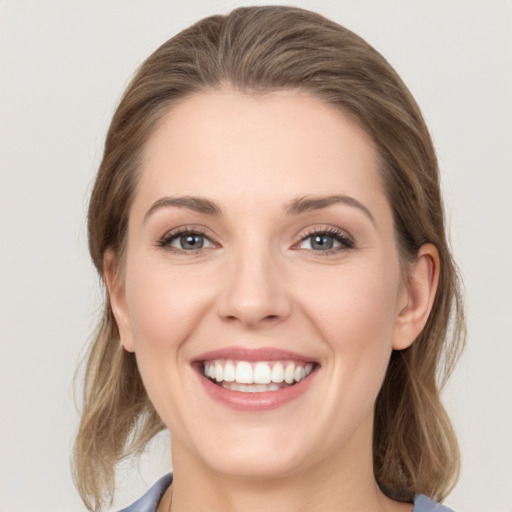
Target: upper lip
(253,354)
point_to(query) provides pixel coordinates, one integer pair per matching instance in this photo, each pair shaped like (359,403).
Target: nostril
(267,318)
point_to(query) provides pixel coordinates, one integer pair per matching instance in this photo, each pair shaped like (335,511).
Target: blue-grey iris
(322,242)
(191,241)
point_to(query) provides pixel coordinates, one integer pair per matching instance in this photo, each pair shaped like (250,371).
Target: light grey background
(63,66)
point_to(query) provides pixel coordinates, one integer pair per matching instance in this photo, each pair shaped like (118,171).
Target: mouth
(255,379)
(255,376)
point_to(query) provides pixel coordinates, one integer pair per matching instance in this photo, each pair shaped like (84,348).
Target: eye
(326,241)
(185,240)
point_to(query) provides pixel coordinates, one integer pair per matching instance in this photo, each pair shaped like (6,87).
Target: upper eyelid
(329,229)
(189,228)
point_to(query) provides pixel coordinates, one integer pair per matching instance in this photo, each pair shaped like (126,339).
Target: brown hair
(263,49)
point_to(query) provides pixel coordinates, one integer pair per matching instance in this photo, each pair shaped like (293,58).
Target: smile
(255,379)
(256,376)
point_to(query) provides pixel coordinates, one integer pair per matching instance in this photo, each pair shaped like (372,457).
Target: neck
(340,482)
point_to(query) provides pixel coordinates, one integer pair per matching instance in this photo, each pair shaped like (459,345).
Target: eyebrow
(308,203)
(196,204)
(295,207)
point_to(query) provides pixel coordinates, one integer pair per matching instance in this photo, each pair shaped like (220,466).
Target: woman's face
(261,247)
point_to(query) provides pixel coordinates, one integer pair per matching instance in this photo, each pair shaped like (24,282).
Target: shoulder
(424,504)
(149,501)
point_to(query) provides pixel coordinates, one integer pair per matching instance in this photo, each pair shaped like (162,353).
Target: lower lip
(258,401)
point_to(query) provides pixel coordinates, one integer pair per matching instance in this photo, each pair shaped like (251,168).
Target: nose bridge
(256,291)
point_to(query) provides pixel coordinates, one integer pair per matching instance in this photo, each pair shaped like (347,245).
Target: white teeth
(277,373)
(289,373)
(244,374)
(262,374)
(229,372)
(250,388)
(219,372)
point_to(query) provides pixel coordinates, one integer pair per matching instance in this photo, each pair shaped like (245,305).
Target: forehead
(268,146)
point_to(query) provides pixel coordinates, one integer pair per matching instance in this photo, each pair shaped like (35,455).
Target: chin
(255,455)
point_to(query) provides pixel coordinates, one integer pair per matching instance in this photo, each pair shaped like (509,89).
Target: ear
(117,296)
(417,296)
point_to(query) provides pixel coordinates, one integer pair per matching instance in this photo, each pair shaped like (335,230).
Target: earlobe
(421,288)
(116,293)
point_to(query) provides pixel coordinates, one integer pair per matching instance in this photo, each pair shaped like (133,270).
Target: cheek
(354,312)
(164,305)
(353,303)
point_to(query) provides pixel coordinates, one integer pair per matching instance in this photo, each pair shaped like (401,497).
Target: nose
(255,293)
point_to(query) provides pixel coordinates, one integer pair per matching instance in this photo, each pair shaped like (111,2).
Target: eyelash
(339,236)
(345,241)
(169,237)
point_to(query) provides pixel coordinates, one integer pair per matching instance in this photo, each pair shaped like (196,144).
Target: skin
(258,282)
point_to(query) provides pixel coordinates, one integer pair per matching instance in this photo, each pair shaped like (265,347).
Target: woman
(268,223)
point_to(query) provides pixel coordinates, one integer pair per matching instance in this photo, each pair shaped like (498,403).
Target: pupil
(192,241)
(322,242)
